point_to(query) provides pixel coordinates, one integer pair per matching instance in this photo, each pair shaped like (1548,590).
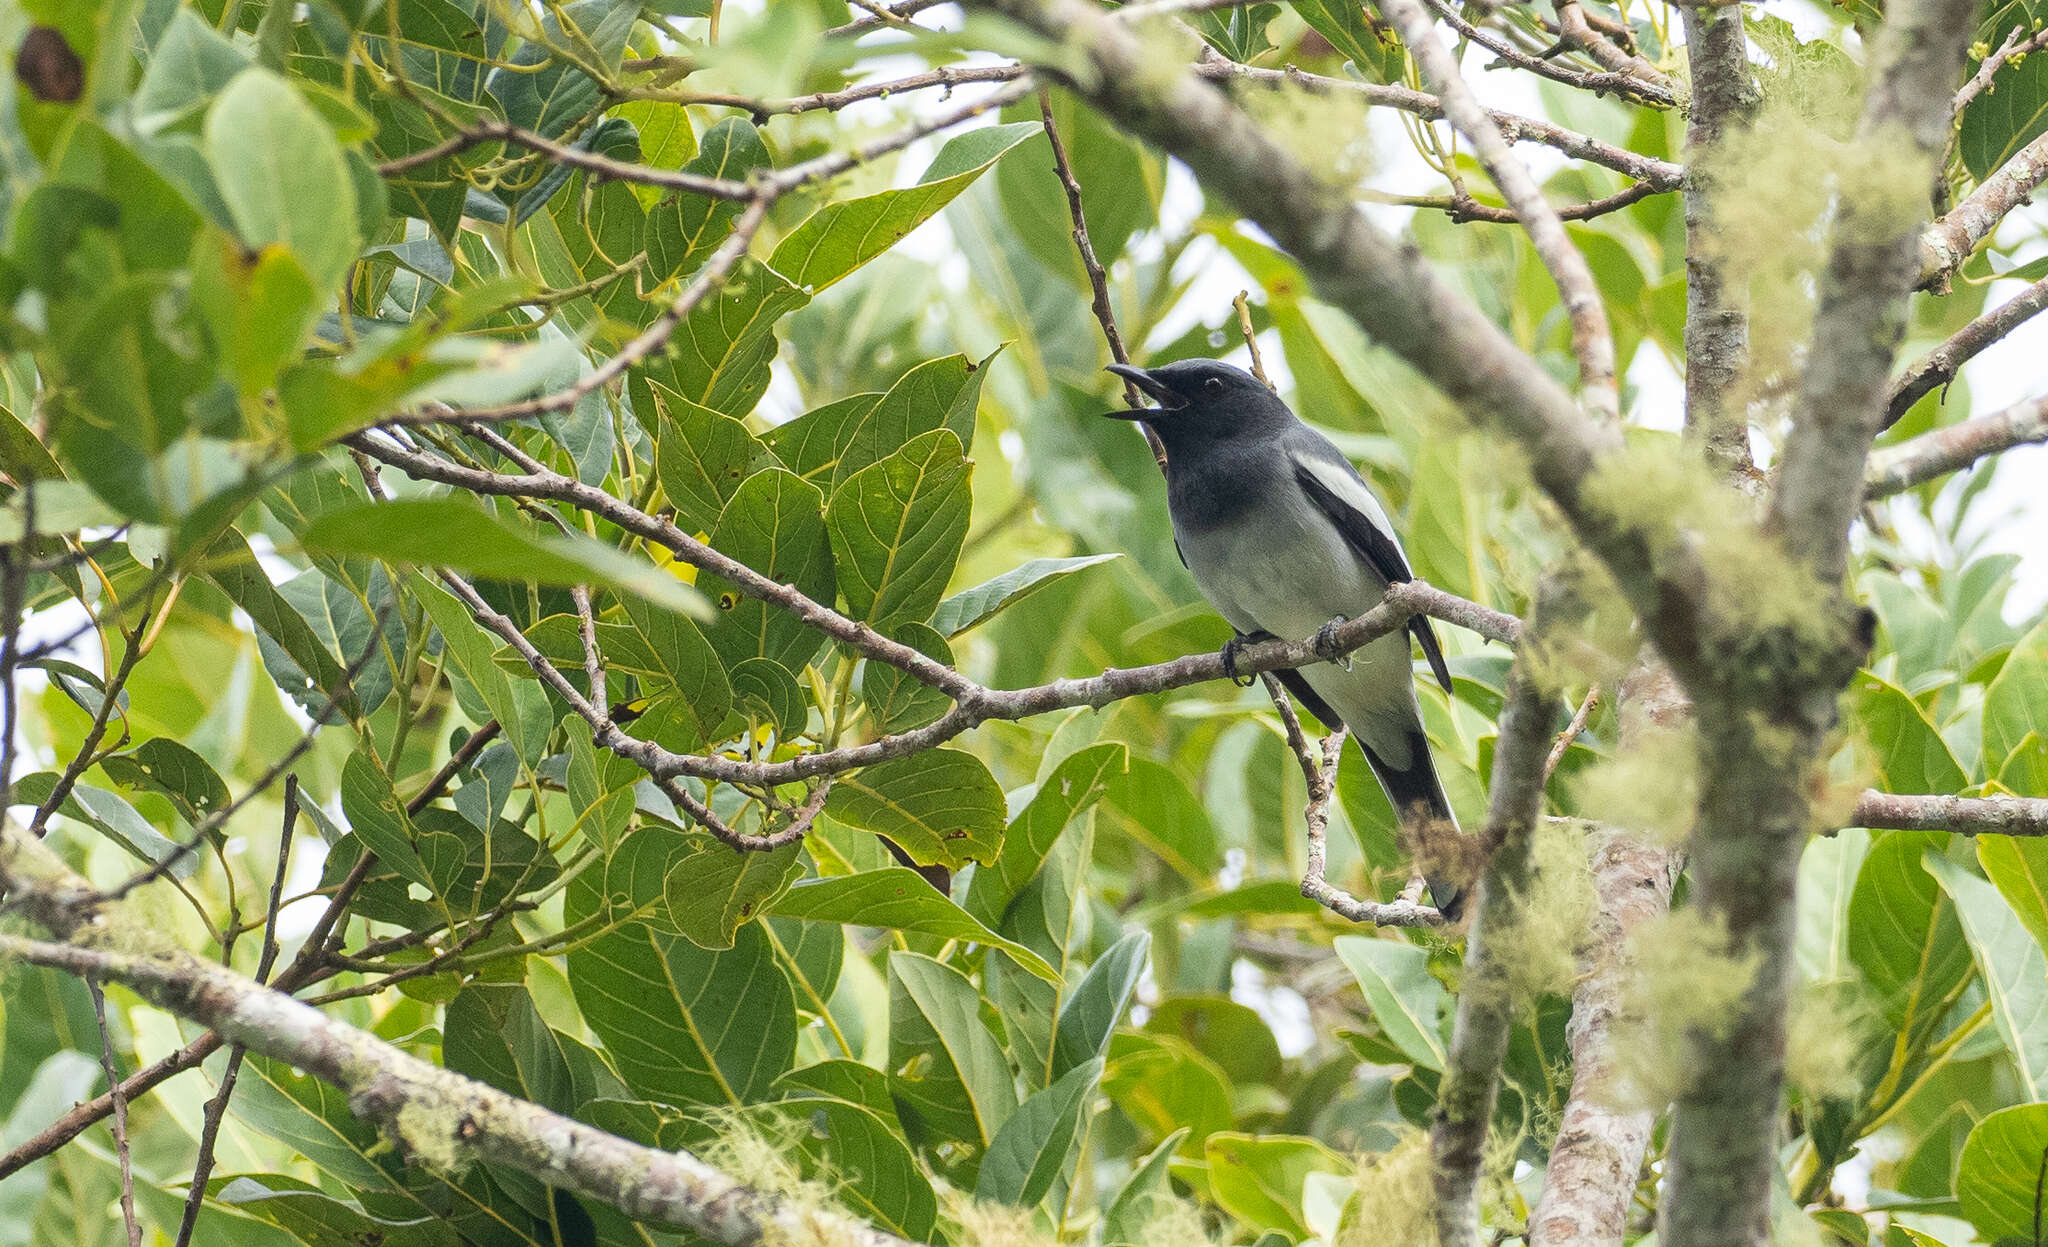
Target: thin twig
(1592,337)
(946,77)
(1319,771)
(99,1014)
(217,1107)
(1251,340)
(1098,279)
(1654,94)
(1571,733)
(1513,126)
(88,749)
(2018,43)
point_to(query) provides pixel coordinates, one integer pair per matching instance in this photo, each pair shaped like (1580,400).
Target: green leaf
(1347,29)
(1071,788)
(701,458)
(2013,706)
(671,655)
(162,765)
(111,816)
(548,93)
(1999,1178)
(686,1025)
(1407,1002)
(232,567)
(519,706)
(378,819)
(1259,1179)
(1137,1201)
(282,175)
(2014,970)
(682,228)
(450,532)
(2018,866)
(859,1151)
(766,692)
(1911,755)
(774,524)
(938,394)
(897,700)
(719,356)
(942,806)
(1030,1151)
(1903,932)
(972,607)
(840,237)
(1090,1015)
(896,898)
(1228,1033)
(2006,117)
(716,889)
(952,1081)
(313,1119)
(897,528)
(1168,1089)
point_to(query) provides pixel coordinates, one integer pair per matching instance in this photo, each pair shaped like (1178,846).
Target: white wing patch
(1340,480)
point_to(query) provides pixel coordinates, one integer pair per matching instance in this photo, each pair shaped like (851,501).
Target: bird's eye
(1214,385)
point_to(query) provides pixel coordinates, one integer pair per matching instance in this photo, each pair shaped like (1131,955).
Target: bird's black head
(1203,400)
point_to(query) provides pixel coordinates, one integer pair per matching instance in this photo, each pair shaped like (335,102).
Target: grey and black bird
(1285,539)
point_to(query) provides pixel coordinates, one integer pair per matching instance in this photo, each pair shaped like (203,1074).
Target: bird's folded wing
(1343,495)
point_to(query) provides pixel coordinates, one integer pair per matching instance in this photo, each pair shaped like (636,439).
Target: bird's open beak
(1145,381)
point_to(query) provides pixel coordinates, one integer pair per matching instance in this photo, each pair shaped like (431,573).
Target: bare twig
(1571,732)
(1251,340)
(1513,126)
(1461,207)
(1592,338)
(1576,31)
(1642,91)
(1098,279)
(99,1014)
(217,1107)
(897,13)
(1940,365)
(490,130)
(946,77)
(1319,770)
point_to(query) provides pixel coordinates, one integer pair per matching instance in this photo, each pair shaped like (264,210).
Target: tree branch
(1755,801)
(1590,1182)
(1654,93)
(1319,771)
(1098,279)
(1513,126)
(1592,338)
(1963,816)
(1949,241)
(1479,1036)
(1390,290)
(1716,322)
(1943,362)
(1899,468)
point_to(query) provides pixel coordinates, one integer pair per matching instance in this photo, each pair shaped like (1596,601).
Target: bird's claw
(1326,646)
(1231,649)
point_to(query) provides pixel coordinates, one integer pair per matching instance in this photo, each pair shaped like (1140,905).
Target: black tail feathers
(1417,794)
